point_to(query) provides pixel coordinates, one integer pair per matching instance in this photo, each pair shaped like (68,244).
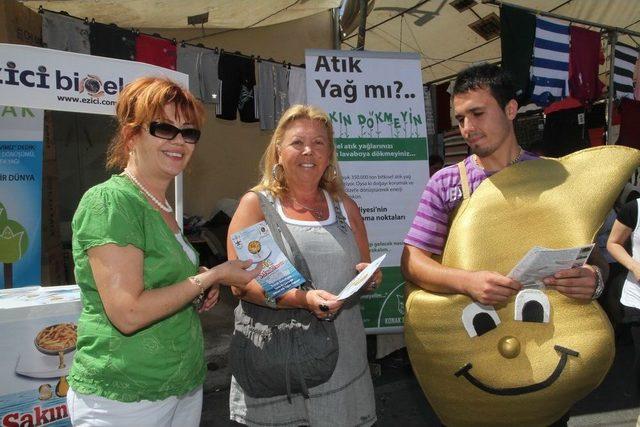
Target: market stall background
(447,35)
(226,161)
(435,29)
(223,29)
(75,146)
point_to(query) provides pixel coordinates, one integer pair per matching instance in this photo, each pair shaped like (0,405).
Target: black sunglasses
(169,131)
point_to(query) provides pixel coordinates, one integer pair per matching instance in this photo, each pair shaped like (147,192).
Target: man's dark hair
(489,77)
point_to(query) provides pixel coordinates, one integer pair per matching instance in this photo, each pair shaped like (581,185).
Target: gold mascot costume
(513,372)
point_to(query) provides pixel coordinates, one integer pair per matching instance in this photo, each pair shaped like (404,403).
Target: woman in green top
(139,357)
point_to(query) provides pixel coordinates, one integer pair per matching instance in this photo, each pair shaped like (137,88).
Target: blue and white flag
(550,67)
(623,65)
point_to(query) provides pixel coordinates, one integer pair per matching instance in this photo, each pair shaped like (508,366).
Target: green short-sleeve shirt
(164,359)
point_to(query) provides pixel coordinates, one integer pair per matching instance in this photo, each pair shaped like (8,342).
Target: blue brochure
(256,243)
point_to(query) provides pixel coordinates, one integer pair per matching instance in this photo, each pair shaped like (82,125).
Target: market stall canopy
(443,36)
(223,14)
(440,31)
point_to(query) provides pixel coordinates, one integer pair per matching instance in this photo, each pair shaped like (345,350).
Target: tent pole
(362,30)
(337,37)
(613,38)
(563,17)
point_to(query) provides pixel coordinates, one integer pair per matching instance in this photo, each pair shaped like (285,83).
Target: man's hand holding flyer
(539,263)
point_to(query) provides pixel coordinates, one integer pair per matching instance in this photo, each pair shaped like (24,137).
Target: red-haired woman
(139,356)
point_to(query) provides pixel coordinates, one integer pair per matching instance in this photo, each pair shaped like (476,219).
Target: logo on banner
(42,78)
(93,85)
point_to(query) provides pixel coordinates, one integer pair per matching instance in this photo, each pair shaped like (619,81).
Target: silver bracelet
(198,301)
(599,283)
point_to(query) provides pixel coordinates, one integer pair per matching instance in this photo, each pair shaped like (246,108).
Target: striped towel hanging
(550,66)
(623,65)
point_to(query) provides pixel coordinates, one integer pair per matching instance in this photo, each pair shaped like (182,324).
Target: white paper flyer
(256,243)
(539,263)
(361,279)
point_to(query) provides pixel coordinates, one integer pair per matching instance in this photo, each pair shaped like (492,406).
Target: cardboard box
(37,343)
(19,24)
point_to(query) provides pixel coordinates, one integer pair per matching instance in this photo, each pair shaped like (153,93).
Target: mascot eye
(478,319)
(532,305)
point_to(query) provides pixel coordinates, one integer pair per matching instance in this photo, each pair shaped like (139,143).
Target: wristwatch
(599,283)
(270,301)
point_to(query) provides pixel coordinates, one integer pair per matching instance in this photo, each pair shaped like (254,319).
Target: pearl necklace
(511,162)
(164,206)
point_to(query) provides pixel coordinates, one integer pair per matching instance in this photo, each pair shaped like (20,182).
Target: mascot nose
(509,347)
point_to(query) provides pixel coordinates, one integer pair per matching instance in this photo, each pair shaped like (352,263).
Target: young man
(485,106)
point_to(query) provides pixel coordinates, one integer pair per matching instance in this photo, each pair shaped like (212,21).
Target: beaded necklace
(164,206)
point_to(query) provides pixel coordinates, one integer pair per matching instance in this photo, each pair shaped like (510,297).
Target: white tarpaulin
(173,14)
(434,29)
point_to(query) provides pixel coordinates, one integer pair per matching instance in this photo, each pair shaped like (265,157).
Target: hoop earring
(330,173)
(274,172)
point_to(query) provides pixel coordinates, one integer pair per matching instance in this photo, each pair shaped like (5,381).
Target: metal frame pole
(337,36)
(613,38)
(362,30)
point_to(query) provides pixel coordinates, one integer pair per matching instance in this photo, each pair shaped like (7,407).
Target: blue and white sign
(21,136)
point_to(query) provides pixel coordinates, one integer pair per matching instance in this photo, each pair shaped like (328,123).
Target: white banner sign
(375,102)
(66,81)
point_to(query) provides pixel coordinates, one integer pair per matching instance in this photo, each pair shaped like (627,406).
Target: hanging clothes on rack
(63,32)
(156,51)
(529,127)
(550,70)
(112,41)
(596,122)
(517,35)
(564,132)
(238,76)
(585,55)
(623,66)
(272,93)
(629,123)
(636,80)
(297,86)
(201,64)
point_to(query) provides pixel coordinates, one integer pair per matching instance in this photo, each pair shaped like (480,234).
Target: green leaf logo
(14,240)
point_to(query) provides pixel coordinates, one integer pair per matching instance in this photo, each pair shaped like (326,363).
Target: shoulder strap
(273,220)
(464,180)
(342,221)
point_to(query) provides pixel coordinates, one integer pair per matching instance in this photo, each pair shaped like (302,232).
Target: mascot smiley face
(507,366)
(528,361)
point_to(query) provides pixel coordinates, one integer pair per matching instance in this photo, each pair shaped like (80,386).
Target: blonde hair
(142,101)
(331,178)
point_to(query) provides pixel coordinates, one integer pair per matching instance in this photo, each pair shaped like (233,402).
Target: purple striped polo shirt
(441,196)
